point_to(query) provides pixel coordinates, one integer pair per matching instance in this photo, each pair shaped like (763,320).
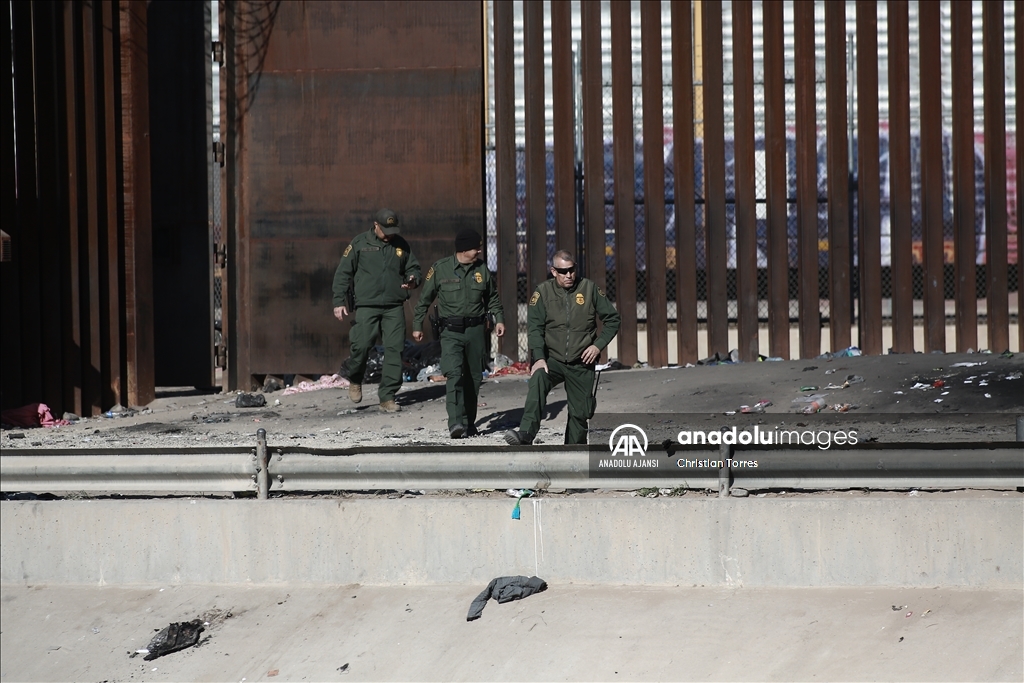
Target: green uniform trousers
(462,362)
(579,387)
(390,324)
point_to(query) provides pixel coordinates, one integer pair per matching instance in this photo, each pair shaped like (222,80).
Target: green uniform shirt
(561,323)
(461,289)
(378,269)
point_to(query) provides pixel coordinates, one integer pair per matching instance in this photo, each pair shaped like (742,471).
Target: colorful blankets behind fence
(514,369)
(325,382)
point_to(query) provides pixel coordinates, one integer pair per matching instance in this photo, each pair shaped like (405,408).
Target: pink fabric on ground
(325,382)
(32,415)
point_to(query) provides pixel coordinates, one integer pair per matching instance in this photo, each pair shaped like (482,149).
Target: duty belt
(458,323)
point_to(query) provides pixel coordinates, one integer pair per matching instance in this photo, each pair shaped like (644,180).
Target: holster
(435,323)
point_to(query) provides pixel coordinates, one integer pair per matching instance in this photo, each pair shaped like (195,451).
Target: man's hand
(340,312)
(410,282)
(590,354)
(499,329)
(417,336)
(539,365)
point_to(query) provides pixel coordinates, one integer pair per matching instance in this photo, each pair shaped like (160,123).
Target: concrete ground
(570,632)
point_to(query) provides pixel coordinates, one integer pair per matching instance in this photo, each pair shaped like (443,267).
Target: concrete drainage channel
(829,540)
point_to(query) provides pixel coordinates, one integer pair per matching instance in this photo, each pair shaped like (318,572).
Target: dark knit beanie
(466,240)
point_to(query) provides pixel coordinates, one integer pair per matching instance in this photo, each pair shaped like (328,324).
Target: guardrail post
(724,477)
(262,476)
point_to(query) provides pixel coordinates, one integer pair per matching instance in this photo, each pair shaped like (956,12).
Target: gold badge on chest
(478,277)
(579,299)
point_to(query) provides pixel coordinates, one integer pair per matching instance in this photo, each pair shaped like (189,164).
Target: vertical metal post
(505,173)
(562,113)
(262,462)
(724,473)
(536,183)
(996,261)
(930,50)
(593,141)
(777,179)
(806,179)
(746,193)
(654,183)
(868,189)
(717,263)
(624,150)
(138,244)
(839,258)
(901,239)
(682,160)
(965,247)
(1018,58)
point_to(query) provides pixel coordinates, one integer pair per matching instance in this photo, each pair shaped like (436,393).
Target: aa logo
(626,441)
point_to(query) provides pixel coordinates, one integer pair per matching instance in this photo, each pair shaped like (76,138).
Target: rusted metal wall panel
(535,172)
(746,193)
(138,250)
(777,179)
(111,317)
(505,170)
(868,189)
(839,237)
(625,178)
(899,178)
(564,104)
(996,262)
(682,163)
(806,180)
(932,178)
(654,184)
(593,142)
(343,108)
(965,249)
(714,179)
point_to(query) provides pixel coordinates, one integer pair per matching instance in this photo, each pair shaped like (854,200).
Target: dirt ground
(979,399)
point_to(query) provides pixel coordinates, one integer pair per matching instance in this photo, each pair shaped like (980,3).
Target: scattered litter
(244,400)
(809,398)
(272,384)
(921,386)
(988,395)
(829,372)
(909,614)
(901,639)
(518,494)
(505,589)
(343,668)
(325,382)
(899,393)
(843,407)
(739,493)
(925,612)
(968,365)
(809,388)
(897,608)
(176,636)
(1015,375)
(944,393)
(274,672)
(937,400)
(757,407)
(814,407)
(938,384)
(730,412)
(424,374)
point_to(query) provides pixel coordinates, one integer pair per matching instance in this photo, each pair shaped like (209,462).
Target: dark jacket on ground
(506,589)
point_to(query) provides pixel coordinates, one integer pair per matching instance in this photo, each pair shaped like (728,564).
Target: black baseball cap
(388,221)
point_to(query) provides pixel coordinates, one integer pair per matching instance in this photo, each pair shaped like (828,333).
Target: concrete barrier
(802,542)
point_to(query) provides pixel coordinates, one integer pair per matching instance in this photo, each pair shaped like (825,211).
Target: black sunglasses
(564,271)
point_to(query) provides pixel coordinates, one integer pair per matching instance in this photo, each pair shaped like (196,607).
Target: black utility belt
(459,322)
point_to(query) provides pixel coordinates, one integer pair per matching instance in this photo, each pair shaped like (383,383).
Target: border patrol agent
(564,345)
(466,293)
(374,277)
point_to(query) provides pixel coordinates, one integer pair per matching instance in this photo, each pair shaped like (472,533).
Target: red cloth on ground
(32,415)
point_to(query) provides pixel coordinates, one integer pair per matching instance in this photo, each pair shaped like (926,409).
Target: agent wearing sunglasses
(564,345)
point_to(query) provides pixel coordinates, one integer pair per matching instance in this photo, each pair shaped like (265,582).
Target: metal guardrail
(265,469)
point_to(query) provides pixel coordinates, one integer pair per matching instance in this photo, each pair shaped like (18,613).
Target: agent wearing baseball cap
(373,280)
(466,293)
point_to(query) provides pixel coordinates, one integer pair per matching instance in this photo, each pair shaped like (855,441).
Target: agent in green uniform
(466,293)
(377,270)
(564,345)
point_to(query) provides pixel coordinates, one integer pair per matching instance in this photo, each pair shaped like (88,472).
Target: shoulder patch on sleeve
(535,298)
(348,250)
(600,291)
(430,273)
